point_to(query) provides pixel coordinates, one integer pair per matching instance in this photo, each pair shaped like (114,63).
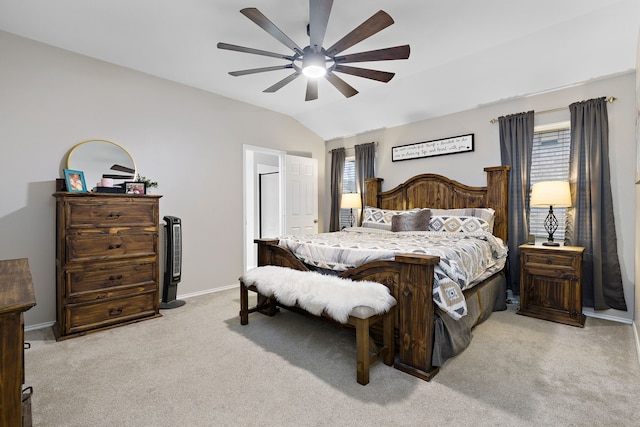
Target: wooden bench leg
(388,340)
(362,351)
(244,304)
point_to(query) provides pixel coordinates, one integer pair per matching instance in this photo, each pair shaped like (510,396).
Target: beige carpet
(196,366)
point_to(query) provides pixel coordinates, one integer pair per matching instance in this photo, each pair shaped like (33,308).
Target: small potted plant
(148,183)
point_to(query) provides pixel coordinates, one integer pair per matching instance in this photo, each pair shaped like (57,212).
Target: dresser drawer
(102,281)
(94,247)
(111,213)
(103,313)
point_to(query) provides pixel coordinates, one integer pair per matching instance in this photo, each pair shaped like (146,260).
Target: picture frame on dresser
(135,187)
(74,180)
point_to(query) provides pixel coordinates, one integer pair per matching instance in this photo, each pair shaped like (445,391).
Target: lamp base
(550,244)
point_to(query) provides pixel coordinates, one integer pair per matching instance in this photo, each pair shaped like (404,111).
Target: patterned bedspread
(465,258)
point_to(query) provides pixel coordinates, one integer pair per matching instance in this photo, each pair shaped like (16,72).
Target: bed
(426,334)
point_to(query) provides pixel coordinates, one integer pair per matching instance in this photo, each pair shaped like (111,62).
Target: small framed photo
(135,188)
(75,181)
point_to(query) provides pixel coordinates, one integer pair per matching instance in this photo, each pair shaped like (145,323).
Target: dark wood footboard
(410,280)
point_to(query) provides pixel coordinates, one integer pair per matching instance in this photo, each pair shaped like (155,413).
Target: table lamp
(351,201)
(550,193)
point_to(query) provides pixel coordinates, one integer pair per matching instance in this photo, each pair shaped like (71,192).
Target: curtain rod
(352,147)
(609,100)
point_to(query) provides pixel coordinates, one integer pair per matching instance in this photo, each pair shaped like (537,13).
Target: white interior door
(301,196)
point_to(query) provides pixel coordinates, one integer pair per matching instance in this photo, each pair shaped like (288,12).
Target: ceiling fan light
(314,65)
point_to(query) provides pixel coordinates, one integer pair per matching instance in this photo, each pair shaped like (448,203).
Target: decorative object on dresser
(351,201)
(106,260)
(16,297)
(551,283)
(550,193)
(74,180)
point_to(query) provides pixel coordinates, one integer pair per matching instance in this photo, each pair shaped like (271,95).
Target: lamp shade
(550,193)
(351,201)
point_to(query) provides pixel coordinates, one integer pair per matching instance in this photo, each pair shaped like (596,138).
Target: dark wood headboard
(439,192)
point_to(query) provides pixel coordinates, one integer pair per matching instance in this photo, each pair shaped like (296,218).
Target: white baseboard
(587,312)
(208,291)
(38,326)
(635,334)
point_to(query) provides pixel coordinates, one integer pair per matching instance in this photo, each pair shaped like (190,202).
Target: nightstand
(551,283)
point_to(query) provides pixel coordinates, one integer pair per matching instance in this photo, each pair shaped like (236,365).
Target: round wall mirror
(98,157)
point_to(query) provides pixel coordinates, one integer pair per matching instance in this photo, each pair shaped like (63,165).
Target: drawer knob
(118,246)
(118,277)
(115,311)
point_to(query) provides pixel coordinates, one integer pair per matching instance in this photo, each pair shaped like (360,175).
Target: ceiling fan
(314,61)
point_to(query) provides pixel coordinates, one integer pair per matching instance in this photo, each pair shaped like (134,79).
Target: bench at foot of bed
(367,303)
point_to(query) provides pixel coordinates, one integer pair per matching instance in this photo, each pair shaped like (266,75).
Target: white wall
(188,140)
(468,167)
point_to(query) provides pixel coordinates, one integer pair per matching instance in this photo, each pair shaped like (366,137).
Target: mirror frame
(88,173)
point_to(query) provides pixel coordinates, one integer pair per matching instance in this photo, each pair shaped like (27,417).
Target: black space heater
(173,266)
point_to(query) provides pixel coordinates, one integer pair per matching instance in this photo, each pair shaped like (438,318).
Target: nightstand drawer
(549,270)
(550,258)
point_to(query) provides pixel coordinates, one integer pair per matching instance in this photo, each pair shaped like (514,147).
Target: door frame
(250,198)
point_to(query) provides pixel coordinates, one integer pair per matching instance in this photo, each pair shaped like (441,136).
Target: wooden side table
(16,297)
(551,283)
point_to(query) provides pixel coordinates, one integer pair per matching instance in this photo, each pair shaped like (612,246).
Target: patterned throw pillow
(457,224)
(413,221)
(380,218)
(486,214)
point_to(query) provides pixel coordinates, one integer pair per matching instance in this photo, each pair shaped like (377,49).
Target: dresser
(16,297)
(107,261)
(551,283)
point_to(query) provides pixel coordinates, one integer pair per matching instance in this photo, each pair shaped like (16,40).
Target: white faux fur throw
(315,292)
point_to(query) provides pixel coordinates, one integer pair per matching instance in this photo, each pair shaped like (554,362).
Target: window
(549,162)
(348,186)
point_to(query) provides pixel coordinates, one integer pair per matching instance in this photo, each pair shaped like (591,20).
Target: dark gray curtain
(337,170)
(516,145)
(590,220)
(365,160)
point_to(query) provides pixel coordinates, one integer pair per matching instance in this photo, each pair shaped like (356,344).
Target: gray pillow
(414,221)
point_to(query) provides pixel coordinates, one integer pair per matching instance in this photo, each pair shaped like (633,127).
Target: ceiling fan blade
(344,87)
(381,76)
(282,82)
(371,26)
(319,11)
(312,90)
(259,70)
(243,49)
(263,22)
(388,54)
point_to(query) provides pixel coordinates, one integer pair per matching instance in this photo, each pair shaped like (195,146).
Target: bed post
(372,186)
(498,197)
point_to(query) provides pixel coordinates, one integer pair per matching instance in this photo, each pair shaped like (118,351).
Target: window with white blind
(348,186)
(549,162)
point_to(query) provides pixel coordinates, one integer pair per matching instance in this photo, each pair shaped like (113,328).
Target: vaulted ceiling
(464,53)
